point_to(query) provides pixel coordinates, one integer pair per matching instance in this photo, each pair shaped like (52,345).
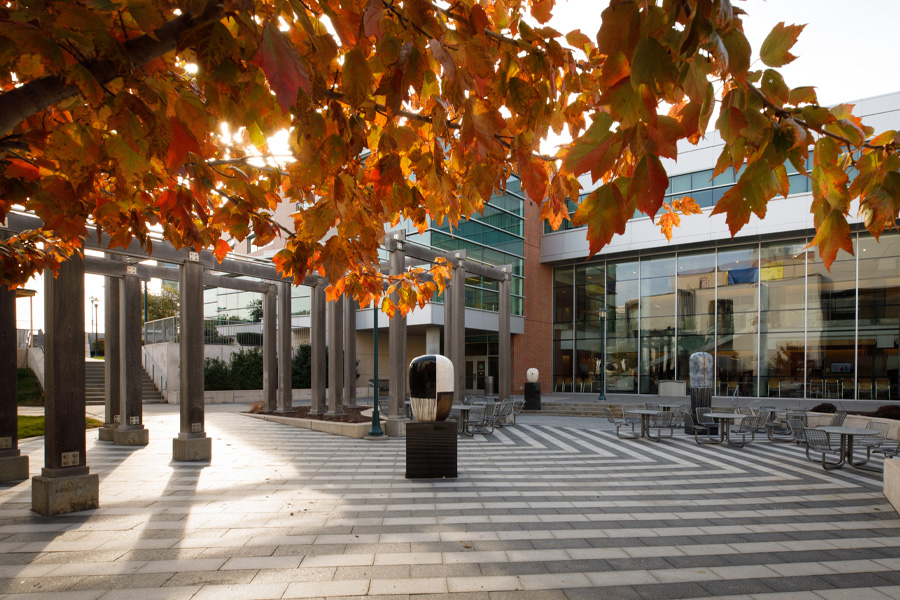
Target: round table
(724,420)
(847,434)
(645,414)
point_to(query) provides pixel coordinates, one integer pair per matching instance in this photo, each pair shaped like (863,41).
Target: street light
(94,302)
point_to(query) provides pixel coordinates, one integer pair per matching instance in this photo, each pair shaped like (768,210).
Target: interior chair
(864,387)
(883,384)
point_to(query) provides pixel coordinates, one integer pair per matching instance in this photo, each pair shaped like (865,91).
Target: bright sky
(847,50)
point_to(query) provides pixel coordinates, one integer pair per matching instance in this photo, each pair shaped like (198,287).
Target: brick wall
(534,348)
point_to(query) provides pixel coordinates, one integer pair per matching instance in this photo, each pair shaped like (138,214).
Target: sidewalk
(553,508)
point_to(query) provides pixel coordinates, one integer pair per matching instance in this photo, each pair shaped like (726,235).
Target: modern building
(775,320)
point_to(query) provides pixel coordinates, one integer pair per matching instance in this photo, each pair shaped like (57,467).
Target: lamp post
(602,396)
(94,302)
(375,431)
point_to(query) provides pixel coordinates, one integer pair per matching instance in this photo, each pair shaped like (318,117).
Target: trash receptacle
(489,385)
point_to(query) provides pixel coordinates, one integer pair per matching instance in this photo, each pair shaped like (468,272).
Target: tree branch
(18,104)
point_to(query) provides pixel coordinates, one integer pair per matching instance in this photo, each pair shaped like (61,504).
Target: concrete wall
(162,363)
(415,346)
(35,362)
(892,482)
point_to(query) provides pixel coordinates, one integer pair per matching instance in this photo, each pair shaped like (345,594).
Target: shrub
(247,369)
(216,375)
(301,370)
(888,411)
(825,407)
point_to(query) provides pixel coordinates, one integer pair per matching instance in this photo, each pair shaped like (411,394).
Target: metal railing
(214,332)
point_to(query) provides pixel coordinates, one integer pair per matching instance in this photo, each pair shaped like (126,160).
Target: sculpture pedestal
(431,449)
(532,396)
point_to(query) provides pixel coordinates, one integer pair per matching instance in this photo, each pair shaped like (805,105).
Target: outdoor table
(847,434)
(645,419)
(463,417)
(724,421)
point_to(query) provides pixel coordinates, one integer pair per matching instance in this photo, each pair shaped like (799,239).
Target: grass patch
(30,392)
(34,426)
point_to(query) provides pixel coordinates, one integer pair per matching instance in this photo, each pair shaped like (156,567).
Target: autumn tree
(164,304)
(135,114)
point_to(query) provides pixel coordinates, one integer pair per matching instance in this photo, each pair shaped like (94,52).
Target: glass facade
(776,321)
(495,237)
(224,304)
(705,189)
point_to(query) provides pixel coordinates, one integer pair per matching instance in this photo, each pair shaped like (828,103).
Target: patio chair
(818,443)
(704,421)
(798,429)
(747,427)
(661,421)
(504,413)
(650,406)
(477,422)
(889,448)
(778,429)
(762,421)
(518,405)
(874,441)
(701,434)
(678,416)
(620,423)
(745,410)
(492,414)
(837,419)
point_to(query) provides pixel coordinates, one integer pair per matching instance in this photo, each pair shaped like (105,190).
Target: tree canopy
(131,114)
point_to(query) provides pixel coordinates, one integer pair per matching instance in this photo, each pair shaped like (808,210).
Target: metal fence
(214,332)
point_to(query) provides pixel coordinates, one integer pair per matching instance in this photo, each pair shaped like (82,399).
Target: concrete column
(432,340)
(111,363)
(285,399)
(270,345)
(397,346)
(505,354)
(131,431)
(191,443)
(65,484)
(349,352)
(459,330)
(317,339)
(448,328)
(335,332)
(13,466)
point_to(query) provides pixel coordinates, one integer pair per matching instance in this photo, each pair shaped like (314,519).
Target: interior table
(645,414)
(847,434)
(724,420)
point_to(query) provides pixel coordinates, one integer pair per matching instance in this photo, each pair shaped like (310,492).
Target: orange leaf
(775,49)
(180,145)
(221,250)
(833,234)
(282,67)
(19,169)
(648,185)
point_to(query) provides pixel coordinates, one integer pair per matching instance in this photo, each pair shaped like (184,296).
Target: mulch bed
(352,414)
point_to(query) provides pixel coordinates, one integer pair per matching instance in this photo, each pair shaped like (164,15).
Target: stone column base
(60,495)
(14,468)
(192,449)
(106,432)
(395,427)
(131,437)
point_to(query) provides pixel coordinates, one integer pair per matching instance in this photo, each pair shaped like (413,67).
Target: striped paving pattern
(552,508)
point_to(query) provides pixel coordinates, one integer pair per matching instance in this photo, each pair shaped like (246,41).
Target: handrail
(156,374)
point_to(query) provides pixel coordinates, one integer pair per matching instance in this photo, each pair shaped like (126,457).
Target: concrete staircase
(569,408)
(94,385)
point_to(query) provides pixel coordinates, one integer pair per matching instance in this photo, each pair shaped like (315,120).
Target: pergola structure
(65,483)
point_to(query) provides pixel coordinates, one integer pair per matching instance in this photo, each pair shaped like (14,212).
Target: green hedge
(245,372)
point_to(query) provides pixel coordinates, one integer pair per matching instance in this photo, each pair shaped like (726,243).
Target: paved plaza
(553,508)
